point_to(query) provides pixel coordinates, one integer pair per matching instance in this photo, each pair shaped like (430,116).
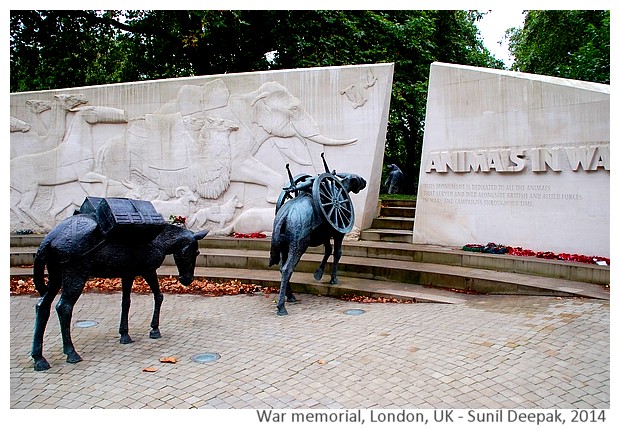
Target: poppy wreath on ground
(519,251)
(473,247)
(252,235)
(488,248)
(177,220)
(495,248)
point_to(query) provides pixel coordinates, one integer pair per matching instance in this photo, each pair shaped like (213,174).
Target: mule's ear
(201,234)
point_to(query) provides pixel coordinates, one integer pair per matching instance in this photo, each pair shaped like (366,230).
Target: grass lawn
(401,197)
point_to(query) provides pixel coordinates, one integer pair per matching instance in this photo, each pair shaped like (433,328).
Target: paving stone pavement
(489,352)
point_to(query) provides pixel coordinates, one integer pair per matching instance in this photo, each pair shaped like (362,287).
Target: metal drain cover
(354,312)
(205,357)
(85,324)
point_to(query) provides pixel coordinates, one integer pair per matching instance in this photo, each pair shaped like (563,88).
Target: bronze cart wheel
(332,201)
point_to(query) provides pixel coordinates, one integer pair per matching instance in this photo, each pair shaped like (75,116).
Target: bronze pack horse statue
(76,249)
(320,211)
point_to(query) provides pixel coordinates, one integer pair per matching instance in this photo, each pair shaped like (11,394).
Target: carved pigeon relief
(357,93)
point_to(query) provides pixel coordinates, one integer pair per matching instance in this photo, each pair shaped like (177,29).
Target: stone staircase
(381,268)
(394,223)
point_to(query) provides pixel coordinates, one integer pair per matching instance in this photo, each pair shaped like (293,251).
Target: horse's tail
(274,253)
(40,260)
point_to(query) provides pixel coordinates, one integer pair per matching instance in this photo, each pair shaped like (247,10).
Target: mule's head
(352,182)
(185,253)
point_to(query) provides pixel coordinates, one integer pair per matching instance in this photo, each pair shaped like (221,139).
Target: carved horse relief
(17,125)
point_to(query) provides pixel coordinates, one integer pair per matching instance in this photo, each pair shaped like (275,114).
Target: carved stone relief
(69,161)
(192,156)
(356,93)
(220,214)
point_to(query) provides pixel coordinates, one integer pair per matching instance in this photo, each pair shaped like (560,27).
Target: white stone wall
(209,148)
(516,159)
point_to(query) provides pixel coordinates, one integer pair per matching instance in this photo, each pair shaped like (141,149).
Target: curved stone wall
(210,148)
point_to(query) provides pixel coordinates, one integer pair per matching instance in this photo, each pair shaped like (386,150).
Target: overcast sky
(493,27)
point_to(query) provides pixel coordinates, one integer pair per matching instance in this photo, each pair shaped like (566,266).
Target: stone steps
(394,223)
(389,235)
(405,270)
(393,202)
(465,279)
(407,212)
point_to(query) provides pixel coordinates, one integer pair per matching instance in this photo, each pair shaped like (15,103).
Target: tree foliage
(572,44)
(61,49)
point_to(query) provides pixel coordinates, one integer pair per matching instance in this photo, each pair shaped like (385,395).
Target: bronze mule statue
(76,249)
(320,211)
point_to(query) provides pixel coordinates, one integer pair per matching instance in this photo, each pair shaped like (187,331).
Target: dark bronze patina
(312,211)
(115,237)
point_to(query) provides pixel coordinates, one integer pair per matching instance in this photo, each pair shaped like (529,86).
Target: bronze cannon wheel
(332,201)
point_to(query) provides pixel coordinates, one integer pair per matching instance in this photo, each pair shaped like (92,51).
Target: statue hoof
(155,334)
(318,274)
(73,357)
(41,364)
(125,339)
(334,281)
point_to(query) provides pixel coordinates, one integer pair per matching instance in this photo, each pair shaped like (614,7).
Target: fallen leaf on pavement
(149,369)
(171,359)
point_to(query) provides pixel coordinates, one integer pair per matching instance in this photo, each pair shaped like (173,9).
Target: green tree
(412,40)
(58,49)
(572,44)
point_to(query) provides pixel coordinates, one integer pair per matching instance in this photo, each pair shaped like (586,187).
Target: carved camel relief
(46,125)
(197,154)
(205,139)
(197,148)
(208,159)
(68,162)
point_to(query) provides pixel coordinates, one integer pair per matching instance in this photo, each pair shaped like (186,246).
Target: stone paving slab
(487,352)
